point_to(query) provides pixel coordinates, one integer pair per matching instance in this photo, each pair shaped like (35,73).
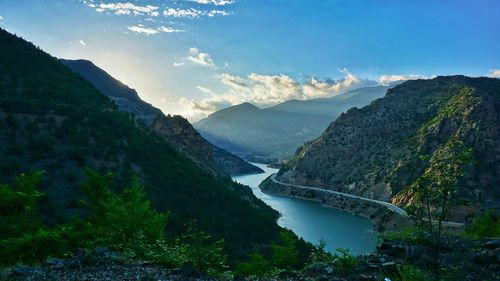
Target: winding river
(313,221)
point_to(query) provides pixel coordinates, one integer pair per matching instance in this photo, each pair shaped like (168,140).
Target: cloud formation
(266,90)
(214,2)
(141,29)
(387,79)
(126,8)
(83,43)
(494,73)
(200,58)
(192,13)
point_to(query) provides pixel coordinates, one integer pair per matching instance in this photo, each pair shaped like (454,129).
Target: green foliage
(205,254)
(344,261)
(285,254)
(484,225)
(256,265)
(77,126)
(411,273)
(409,234)
(18,205)
(32,247)
(320,255)
(22,235)
(124,221)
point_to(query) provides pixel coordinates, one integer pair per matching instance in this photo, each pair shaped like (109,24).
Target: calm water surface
(312,221)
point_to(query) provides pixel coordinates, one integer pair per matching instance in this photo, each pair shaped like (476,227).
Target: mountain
(177,130)
(376,151)
(53,120)
(274,133)
(126,98)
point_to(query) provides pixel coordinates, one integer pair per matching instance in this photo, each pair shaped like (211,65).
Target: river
(313,221)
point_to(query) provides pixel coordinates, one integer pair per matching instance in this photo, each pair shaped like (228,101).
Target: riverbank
(382,217)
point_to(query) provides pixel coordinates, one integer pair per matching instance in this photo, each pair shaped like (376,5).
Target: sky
(193,57)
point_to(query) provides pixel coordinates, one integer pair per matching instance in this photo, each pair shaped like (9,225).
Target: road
(388,205)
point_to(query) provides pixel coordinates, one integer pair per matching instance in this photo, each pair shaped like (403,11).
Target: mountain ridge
(273,133)
(374,151)
(176,129)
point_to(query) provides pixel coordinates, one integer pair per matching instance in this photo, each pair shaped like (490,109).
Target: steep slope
(177,130)
(126,98)
(52,119)
(274,133)
(375,151)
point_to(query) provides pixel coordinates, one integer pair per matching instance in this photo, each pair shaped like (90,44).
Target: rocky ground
(460,260)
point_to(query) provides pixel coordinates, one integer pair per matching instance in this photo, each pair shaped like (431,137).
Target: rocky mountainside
(274,133)
(377,151)
(177,130)
(55,121)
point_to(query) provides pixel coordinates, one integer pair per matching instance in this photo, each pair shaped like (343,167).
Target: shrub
(411,273)
(485,225)
(285,254)
(344,261)
(256,265)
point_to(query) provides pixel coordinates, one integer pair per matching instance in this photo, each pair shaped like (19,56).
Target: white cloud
(494,73)
(177,64)
(316,88)
(1,18)
(214,13)
(387,79)
(215,2)
(266,90)
(83,43)
(182,13)
(126,8)
(200,58)
(141,29)
(193,13)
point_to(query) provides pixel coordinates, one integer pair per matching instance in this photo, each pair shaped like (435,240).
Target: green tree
(284,253)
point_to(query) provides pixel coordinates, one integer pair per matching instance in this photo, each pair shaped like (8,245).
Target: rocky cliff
(376,151)
(181,133)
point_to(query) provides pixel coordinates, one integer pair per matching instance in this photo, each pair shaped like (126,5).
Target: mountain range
(175,129)
(380,150)
(55,121)
(274,133)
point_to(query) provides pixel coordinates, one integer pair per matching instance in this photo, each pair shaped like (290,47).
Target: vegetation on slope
(55,121)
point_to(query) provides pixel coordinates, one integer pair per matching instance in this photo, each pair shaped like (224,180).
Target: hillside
(53,120)
(126,98)
(378,151)
(274,133)
(176,130)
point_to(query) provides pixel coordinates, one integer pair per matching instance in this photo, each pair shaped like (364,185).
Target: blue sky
(192,57)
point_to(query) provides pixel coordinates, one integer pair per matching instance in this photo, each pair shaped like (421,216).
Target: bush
(411,273)
(344,261)
(256,265)
(485,225)
(285,254)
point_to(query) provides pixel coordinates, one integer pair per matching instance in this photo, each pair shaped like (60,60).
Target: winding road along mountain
(388,205)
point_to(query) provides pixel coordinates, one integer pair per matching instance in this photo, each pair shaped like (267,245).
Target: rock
(491,244)
(389,266)
(23,271)
(56,263)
